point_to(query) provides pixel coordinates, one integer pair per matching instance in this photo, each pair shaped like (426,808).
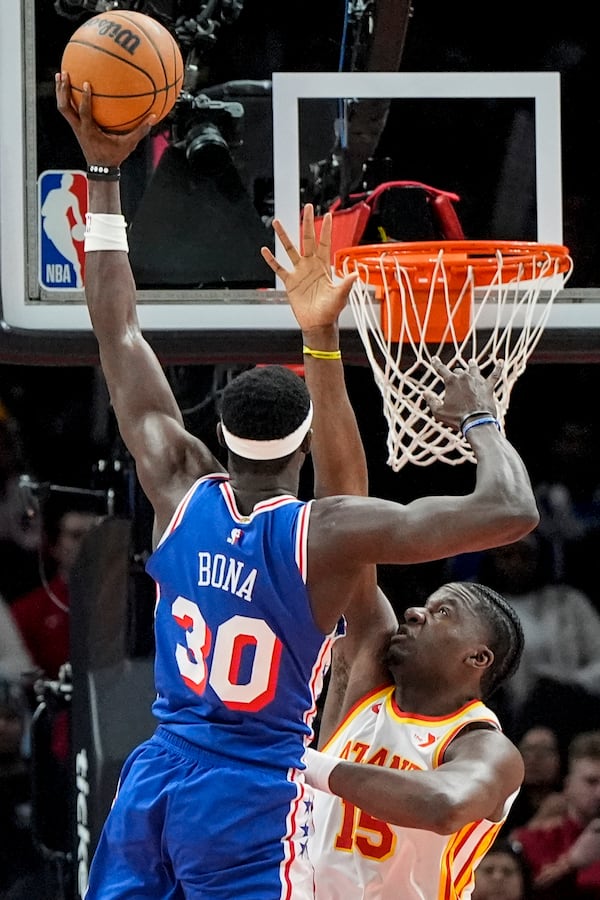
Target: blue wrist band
(485,420)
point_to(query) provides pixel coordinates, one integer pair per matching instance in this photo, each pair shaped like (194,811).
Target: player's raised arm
(339,462)
(500,509)
(167,457)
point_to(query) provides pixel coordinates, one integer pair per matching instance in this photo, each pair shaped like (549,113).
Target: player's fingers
(141,131)
(345,286)
(308,229)
(59,87)
(286,242)
(64,103)
(440,367)
(496,372)
(85,104)
(432,400)
(273,264)
(324,245)
(62,83)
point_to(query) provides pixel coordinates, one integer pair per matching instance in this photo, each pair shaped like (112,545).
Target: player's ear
(481,658)
(220,437)
(306,444)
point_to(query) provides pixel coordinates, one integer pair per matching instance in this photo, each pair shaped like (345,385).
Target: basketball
(133,64)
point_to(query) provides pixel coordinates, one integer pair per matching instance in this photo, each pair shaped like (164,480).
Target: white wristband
(105,231)
(318,769)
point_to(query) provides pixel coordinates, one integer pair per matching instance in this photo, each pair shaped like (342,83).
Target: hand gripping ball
(133,64)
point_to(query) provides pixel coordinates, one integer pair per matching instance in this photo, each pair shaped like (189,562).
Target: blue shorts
(186,823)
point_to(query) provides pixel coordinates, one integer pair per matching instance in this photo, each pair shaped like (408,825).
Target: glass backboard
(195,236)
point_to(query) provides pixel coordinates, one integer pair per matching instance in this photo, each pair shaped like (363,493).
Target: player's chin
(397,650)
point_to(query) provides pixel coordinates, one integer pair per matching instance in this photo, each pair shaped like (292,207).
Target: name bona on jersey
(227,574)
(56,273)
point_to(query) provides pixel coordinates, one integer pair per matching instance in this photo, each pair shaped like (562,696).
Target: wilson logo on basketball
(121,36)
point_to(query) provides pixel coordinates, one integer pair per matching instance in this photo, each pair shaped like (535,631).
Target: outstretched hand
(465,391)
(314,297)
(99,147)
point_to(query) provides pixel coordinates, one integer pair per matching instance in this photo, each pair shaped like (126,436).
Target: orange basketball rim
(459,300)
(438,279)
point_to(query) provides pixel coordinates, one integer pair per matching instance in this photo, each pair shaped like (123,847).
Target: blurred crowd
(42,526)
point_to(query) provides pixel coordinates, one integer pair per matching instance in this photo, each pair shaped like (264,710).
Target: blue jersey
(214,804)
(239,660)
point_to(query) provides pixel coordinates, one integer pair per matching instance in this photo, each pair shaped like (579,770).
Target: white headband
(276,449)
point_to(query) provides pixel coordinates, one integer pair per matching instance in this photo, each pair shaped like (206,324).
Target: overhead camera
(207,130)
(73,9)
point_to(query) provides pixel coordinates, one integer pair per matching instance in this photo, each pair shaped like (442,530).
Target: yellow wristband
(322,354)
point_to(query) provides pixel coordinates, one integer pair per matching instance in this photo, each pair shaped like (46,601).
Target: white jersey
(357,856)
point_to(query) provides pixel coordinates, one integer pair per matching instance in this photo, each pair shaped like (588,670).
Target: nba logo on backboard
(62,198)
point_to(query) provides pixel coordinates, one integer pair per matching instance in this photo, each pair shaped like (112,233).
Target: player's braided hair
(265,403)
(506,636)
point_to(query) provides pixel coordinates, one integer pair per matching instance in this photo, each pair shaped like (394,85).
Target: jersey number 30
(232,638)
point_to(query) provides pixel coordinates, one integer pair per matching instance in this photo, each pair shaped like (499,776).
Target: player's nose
(415,615)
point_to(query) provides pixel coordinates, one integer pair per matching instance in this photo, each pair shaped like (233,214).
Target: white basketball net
(507,320)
